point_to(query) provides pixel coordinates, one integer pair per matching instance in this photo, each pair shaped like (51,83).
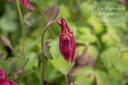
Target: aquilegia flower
(4,80)
(26,3)
(66,41)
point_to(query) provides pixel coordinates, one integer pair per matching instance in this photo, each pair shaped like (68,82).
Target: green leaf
(26,73)
(5,66)
(84,76)
(46,50)
(122,66)
(19,61)
(13,68)
(102,78)
(92,50)
(61,65)
(24,64)
(86,71)
(115,76)
(82,80)
(110,57)
(125,57)
(51,74)
(55,46)
(33,60)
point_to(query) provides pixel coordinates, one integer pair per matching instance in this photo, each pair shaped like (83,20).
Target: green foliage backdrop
(101,56)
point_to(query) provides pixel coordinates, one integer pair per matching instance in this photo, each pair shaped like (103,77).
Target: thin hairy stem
(66,79)
(21,19)
(42,43)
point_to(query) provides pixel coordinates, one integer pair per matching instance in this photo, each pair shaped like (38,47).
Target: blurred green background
(101,56)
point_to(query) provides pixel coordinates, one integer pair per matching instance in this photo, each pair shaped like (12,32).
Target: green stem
(42,43)
(15,53)
(45,29)
(19,10)
(43,68)
(43,57)
(66,79)
(21,19)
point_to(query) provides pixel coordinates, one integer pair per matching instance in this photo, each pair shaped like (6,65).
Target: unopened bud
(66,42)
(5,40)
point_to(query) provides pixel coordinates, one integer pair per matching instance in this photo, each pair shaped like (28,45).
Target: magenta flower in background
(26,3)
(4,80)
(66,41)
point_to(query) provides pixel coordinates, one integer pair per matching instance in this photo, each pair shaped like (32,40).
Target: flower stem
(19,10)
(45,29)
(43,68)
(42,43)
(21,19)
(43,57)
(66,79)
(15,53)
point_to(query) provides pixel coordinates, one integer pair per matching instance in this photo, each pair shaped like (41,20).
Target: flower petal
(2,74)
(28,4)
(4,82)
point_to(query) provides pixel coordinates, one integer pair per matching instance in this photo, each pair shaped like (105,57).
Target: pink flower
(66,41)
(26,3)
(4,80)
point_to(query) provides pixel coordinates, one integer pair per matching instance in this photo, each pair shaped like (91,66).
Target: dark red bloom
(26,3)
(4,80)
(66,41)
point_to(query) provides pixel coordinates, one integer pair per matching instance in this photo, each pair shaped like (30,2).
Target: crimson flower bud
(67,43)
